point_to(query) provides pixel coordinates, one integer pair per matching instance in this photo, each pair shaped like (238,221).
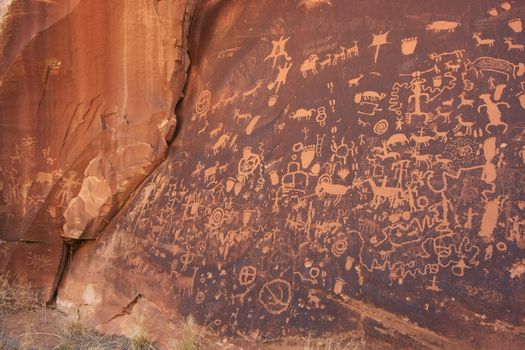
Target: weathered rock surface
(87,97)
(339,167)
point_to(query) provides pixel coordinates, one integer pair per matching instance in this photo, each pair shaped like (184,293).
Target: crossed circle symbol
(247,275)
(275,296)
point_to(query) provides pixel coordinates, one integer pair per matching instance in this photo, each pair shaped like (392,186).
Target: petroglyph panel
(332,153)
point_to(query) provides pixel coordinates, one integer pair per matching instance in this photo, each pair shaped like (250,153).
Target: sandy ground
(46,328)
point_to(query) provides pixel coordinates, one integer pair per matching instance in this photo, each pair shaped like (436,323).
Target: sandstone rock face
(338,167)
(87,98)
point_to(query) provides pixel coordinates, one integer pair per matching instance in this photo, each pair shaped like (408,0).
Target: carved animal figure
(421,158)
(333,189)
(302,113)
(511,46)
(480,41)
(444,115)
(244,116)
(453,66)
(498,65)
(369,96)
(438,158)
(438,26)
(221,143)
(395,139)
(216,131)
(210,172)
(231,98)
(493,112)
(420,140)
(352,51)
(355,81)
(309,65)
(463,101)
(382,193)
(383,153)
(185,284)
(252,92)
(448,103)
(341,56)
(326,62)
(461,123)
(440,135)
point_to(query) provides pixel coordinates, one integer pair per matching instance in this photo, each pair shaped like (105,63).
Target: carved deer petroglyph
(512,46)
(465,101)
(441,114)
(463,124)
(480,41)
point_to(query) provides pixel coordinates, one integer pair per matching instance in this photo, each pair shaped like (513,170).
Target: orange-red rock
(338,167)
(87,101)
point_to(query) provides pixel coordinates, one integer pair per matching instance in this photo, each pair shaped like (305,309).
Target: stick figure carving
(416,97)
(278,49)
(281,77)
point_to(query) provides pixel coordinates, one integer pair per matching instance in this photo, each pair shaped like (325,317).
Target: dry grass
(191,337)
(334,343)
(73,328)
(26,341)
(143,334)
(18,299)
(90,340)
(17,296)
(6,343)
